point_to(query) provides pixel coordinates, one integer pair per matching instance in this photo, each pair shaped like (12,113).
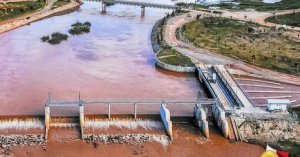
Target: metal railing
(143,4)
(81,103)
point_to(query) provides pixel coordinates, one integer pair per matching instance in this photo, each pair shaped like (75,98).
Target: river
(115,61)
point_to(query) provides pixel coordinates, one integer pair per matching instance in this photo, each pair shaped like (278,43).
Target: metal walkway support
(135,111)
(108,111)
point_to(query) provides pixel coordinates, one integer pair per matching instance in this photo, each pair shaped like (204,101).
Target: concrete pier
(47,120)
(222,123)
(108,112)
(200,115)
(103,7)
(143,11)
(165,117)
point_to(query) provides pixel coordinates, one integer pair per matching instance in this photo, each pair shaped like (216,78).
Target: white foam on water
(126,123)
(19,124)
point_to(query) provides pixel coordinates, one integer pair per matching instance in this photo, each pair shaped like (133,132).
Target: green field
(60,3)
(258,5)
(264,47)
(288,19)
(287,146)
(173,57)
(11,10)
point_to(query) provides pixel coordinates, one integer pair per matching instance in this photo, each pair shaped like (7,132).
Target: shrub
(80,28)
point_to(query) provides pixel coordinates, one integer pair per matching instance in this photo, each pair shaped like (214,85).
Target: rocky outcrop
(269,130)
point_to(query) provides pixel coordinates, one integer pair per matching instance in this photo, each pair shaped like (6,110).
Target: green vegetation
(60,3)
(77,28)
(297,111)
(257,5)
(173,57)
(11,10)
(55,39)
(266,47)
(110,3)
(288,19)
(288,146)
(80,28)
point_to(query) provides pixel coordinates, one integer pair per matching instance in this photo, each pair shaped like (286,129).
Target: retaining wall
(154,35)
(173,67)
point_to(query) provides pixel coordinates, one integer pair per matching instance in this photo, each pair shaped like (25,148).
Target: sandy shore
(13,24)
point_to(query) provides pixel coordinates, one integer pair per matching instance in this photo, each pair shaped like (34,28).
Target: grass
(257,5)
(60,3)
(288,19)
(173,57)
(56,38)
(80,28)
(288,146)
(15,9)
(262,46)
(297,111)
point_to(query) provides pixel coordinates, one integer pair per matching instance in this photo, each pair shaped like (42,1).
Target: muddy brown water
(114,61)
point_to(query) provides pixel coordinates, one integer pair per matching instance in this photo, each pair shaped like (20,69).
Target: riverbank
(74,4)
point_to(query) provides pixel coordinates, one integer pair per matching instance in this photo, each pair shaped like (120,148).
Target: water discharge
(114,61)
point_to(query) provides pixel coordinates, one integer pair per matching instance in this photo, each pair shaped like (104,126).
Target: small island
(56,38)
(80,28)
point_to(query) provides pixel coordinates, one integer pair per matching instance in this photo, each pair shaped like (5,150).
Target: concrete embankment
(155,42)
(26,20)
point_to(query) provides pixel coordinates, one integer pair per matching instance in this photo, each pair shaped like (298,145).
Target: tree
(218,41)
(297,65)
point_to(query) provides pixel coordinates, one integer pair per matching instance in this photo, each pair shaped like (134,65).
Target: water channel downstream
(114,61)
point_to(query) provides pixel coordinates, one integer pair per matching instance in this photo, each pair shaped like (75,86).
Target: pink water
(114,61)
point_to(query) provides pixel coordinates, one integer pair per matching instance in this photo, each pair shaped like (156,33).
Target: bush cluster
(80,28)
(56,38)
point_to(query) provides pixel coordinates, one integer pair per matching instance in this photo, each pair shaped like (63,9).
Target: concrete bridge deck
(142,4)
